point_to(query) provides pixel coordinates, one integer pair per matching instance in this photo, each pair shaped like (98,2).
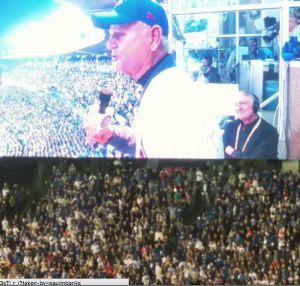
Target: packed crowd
(11,199)
(131,224)
(41,104)
(251,233)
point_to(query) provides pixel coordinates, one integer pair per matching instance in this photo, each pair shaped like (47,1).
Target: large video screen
(72,87)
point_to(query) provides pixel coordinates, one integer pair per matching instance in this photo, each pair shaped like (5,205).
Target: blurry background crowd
(41,103)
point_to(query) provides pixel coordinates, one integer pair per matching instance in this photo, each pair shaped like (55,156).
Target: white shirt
(158,271)
(158,235)
(242,177)
(281,243)
(77,214)
(199,245)
(252,189)
(199,176)
(139,201)
(145,280)
(26,260)
(92,178)
(252,275)
(69,221)
(77,184)
(128,261)
(4,224)
(6,250)
(15,230)
(212,245)
(5,192)
(172,121)
(255,183)
(95,249)
(187,272)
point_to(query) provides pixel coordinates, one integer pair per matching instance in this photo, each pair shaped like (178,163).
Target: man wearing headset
(249,136)
(210,72)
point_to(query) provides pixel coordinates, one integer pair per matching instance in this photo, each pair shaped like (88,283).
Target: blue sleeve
(122,145)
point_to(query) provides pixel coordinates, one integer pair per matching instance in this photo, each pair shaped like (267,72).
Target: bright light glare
(12,39)
(63,34)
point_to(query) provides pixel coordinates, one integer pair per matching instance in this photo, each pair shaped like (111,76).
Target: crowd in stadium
(40,107)
(11,198)
(134,224)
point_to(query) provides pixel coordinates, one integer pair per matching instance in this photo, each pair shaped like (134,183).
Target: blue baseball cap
(149,12)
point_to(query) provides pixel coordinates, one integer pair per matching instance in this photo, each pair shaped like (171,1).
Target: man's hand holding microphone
(101,131)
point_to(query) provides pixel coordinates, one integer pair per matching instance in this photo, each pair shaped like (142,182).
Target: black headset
(255,105)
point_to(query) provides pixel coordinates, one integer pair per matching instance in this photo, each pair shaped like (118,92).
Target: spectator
(294,24)
(199,176)
(210,72)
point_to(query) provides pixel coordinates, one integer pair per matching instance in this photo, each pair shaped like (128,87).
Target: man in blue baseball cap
(139,44)
(131,23)
(130,11)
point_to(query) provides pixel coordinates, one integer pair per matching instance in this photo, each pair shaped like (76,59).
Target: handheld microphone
(100,115)
(104,97)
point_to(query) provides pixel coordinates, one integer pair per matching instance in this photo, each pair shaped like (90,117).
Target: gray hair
(249,94)
(164,41)
(165,44)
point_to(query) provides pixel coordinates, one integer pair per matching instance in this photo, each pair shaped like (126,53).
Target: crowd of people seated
(132,224)
(40,106)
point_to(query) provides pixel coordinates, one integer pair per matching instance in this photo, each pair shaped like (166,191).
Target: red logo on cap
(150,16)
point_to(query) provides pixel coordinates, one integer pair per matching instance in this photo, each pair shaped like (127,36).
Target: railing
(269,100)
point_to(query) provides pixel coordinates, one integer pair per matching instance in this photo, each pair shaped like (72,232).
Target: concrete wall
(290,165)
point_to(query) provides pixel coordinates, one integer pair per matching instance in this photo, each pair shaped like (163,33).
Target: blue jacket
(291,49)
